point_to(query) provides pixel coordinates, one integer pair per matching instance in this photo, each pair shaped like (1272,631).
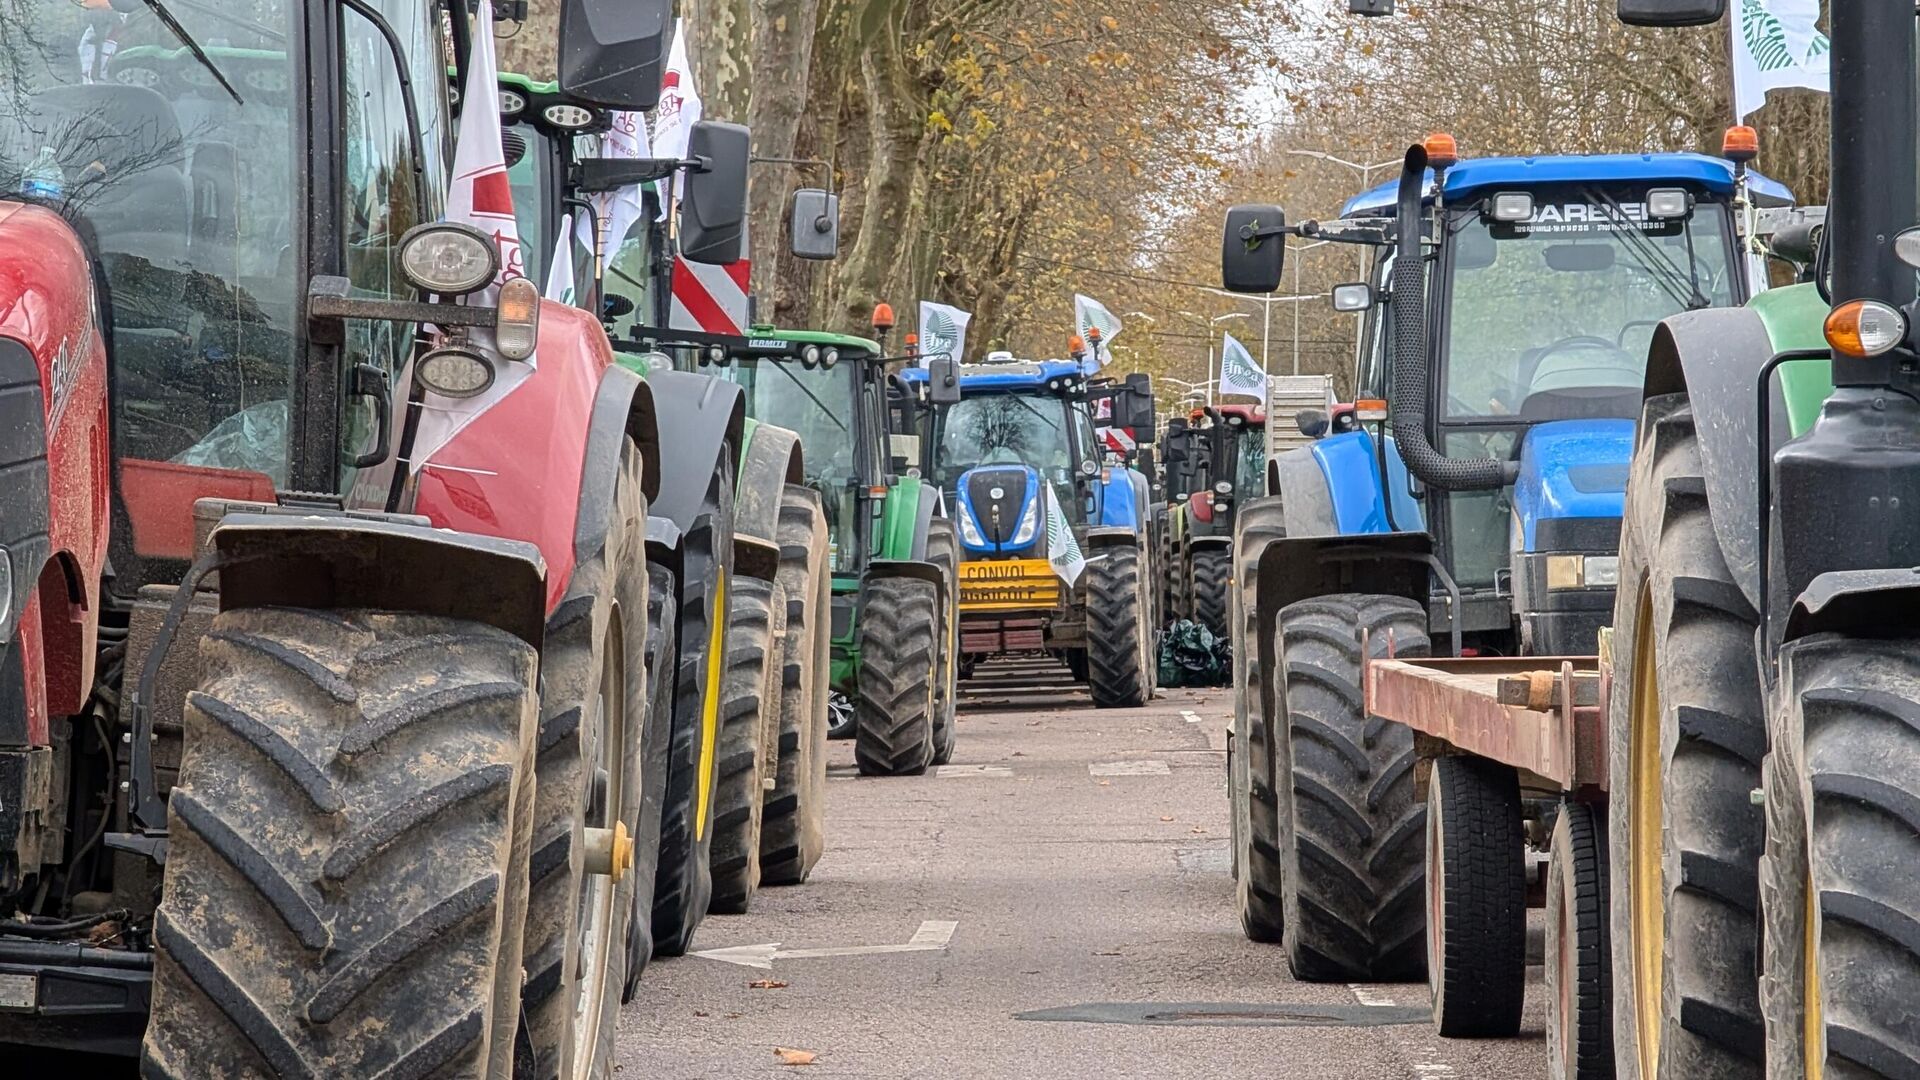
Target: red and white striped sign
(710,298)
(1119,440)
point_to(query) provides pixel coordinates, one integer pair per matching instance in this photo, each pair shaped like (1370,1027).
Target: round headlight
(830,357)
(716,355)
(1223,488)
(454,372)
(449,259)
(511,103)
(569,117)
(1089,467)
(810,356)
(657,361)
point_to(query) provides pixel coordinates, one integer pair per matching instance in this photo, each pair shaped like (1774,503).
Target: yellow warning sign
(1008,585)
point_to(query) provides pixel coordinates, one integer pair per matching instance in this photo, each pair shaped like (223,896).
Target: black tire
(663,597)
(684,882)
(1117,634)
(1353,877)
(749,698)
(893,713)
(1252,756)
(1076,661)
(1212,573)
(793,831)
(1477,887)
(1685,757)
(943,551)
(347,842)
(841,717)
(1844,837)
(592,689)
(1579,952)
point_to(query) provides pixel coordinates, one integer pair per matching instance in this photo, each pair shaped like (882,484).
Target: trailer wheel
(663,596)
(793,833)
(1212,572)
(1351,824)
(1687,733)
(683,885)
(1840,881)
(1579,948)
(1252,785)
(943,551)
(592,696)
(1476,898)
(348,844)
(1117,633)
(750,693)
(893,715)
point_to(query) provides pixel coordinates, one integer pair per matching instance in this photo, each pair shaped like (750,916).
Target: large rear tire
(348,838)
(943,551)
(1251,755)
(750,697)
(683,886)
(1212,574)
(1843,847)
(793,832)
(1687,733)
(893,715)
(1353,876)
(1118,637)
(663,630)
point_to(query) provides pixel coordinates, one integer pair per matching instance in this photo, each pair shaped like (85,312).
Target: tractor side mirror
(814,225)
(613,53)
(1249,261)
(1138,406)
(713,213)
(943,379)
(1671,12)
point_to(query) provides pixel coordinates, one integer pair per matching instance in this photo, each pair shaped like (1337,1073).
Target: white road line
(933,936)
(1192,717)
(1367,995)
(944,771)
(1149,767)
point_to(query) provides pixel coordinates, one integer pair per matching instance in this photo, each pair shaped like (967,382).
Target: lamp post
(1266,304)
(1366,180)
(1211,323)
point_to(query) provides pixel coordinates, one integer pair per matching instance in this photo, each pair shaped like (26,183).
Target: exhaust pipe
(1407,403)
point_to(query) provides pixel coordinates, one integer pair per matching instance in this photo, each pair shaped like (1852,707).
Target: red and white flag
(618,211)
(481,197)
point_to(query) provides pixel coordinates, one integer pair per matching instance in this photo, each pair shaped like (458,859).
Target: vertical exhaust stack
(1408,402)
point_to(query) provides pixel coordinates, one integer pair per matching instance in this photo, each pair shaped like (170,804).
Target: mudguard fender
(1714,356)
(772,460)
(917,569)
(1854,601)
(703,419)
(1198,542)
(623,406)
(1111,536)
(1302,567)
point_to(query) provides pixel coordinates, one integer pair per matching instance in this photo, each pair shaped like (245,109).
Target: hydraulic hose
(1408,401)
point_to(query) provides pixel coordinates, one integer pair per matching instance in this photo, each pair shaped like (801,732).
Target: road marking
(933,936)
(1367,995)
(1192,717)
(972,770)
(1203,860)
(1149,767)
(1431,1066)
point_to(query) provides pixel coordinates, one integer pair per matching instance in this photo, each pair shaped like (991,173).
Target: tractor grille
(998,518)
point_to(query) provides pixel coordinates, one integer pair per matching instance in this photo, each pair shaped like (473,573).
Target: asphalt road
(1081,855)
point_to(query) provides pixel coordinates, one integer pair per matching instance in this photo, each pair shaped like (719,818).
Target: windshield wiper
(821,405)
(1683,288)
(160,12)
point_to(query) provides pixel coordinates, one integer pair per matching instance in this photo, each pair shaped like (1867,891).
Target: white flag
(560,284)
(482,197)
(1775,45)
(943,329)
(1063,551)
(680,107)
(1090,314)
(1238,373)
(616,211)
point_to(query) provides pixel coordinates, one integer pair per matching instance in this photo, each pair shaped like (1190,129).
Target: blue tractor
(1474,508)
(1056,548)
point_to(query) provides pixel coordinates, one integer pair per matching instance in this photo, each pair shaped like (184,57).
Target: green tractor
(741,783)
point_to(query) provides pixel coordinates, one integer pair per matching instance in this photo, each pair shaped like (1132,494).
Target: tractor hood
(1572,484)
(1000,511)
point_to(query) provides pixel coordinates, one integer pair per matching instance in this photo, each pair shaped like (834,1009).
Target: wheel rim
(1563,1021)
(1647,891)
(710,704)
(1813,1023)
(1436,898)
(597,891)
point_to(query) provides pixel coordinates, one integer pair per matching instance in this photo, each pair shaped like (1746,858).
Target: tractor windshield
(818,404)
(1249,460)
(1005,429)
(1550,318)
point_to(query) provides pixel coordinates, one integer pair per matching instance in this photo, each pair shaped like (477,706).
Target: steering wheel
(1579,339)
(1621,341)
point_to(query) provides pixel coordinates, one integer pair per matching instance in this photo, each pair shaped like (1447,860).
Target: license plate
(1008,585)
(18,991)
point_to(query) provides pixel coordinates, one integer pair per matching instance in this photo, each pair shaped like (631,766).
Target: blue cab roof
(1476,174)
(1015,376)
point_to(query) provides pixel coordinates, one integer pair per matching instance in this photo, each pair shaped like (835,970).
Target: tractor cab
(1234,442)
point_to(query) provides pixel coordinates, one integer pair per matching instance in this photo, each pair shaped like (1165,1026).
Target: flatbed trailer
(1511,756)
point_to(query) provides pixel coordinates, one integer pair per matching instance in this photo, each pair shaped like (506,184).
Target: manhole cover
(1231,1014)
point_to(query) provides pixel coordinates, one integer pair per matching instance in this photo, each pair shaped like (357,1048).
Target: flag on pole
(680,107)
(560,283)
(1238,373)
(482,197)
(943,329)
(1776,45)
(1063,551)
(616,211)
(1090,314)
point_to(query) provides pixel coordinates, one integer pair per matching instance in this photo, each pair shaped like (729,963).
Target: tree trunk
(895,126)
(717,47)
(783,44)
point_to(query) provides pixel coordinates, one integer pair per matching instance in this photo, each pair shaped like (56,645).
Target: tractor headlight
(512,103)
(454,372)
(968,530)
(1667,203)
(1223,488)
(447,258)
(1029,523)
(1512,206)
(810,357)
(830,357)
(1583,571)
(567,117)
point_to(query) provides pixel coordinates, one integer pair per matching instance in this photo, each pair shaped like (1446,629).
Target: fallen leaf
(1116,952)
(701,1012)
(789,1056)
(1166,817)
(1106,783)
(1199,829)
(766,984)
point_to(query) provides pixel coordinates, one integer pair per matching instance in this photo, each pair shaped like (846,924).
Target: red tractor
(296,711)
